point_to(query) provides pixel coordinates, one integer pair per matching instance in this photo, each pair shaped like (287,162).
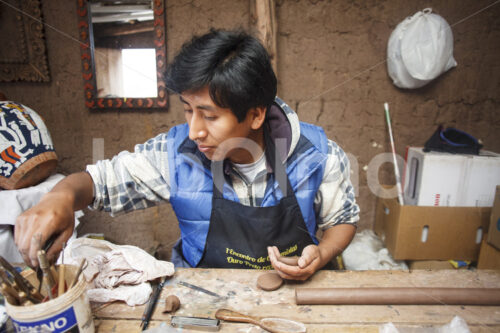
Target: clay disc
(269,281)
(292,261)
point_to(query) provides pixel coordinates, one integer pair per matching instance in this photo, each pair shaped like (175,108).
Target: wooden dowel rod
(62,274)
(398,296)
(53,272)
(61,282)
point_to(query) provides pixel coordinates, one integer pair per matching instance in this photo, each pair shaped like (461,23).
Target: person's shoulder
(160,142)
(316,135)
(178,130)
(337,157)
(334,148)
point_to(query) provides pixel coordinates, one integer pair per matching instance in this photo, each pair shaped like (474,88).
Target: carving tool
(21,282)
(273,325)
(146,317)
(39,277)
(47,275)
(203,290)
(39,273)
(23,297)
(195,323)
(53,272)
(10,294)
(78,272)
(3,276)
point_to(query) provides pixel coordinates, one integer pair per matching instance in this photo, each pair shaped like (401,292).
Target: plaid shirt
(141,179)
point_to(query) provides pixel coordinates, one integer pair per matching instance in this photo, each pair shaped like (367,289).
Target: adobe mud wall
(331,69)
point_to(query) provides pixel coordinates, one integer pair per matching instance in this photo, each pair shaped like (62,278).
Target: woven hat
(27,154)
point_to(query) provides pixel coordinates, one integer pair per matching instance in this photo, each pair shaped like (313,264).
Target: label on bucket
(62,322)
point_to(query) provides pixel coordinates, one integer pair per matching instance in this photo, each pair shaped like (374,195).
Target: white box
(443,179)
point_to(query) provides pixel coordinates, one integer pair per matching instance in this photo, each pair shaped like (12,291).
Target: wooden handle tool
(47,275)
(21,282)
(53,273)
(62,281)
(273,325)
(62,278)
(9,293)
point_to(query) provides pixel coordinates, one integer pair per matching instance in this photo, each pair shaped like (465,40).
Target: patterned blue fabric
(23,135)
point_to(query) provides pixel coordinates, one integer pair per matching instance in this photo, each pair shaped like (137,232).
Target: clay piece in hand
(172,304)
(292,261)
(269,281)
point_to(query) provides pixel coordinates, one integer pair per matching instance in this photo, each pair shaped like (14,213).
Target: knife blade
(203,290)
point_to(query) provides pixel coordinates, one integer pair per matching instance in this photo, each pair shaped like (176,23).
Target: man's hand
(314,257)
(309,262)
(53,215)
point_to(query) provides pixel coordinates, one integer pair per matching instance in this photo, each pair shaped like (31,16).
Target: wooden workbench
(244,296)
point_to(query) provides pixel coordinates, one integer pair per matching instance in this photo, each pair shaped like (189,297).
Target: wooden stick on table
(398,296)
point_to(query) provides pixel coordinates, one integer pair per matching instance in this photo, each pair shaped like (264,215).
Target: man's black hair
(234,65)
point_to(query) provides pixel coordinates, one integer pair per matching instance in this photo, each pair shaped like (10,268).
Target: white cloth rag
(116,272)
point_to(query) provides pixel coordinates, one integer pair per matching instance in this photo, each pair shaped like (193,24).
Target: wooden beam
(264,17)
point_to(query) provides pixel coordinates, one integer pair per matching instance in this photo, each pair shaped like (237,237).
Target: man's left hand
(309,263)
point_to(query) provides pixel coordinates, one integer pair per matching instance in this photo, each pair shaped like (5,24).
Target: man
(246,180)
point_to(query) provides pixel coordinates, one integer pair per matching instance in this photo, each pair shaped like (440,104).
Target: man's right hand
(53,215)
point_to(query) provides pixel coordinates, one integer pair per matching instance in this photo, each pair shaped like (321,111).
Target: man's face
(217,131)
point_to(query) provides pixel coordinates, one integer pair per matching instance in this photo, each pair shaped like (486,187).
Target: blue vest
(191,184)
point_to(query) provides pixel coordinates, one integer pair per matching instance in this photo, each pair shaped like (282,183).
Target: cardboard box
(449,232)
(457,180)
(438,264)
(494,231)
(429,264)
(489,257)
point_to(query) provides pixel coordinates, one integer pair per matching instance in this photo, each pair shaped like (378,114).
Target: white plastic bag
(419,50)
(367,252)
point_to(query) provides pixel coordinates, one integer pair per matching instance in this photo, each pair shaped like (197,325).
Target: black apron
(238,235)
